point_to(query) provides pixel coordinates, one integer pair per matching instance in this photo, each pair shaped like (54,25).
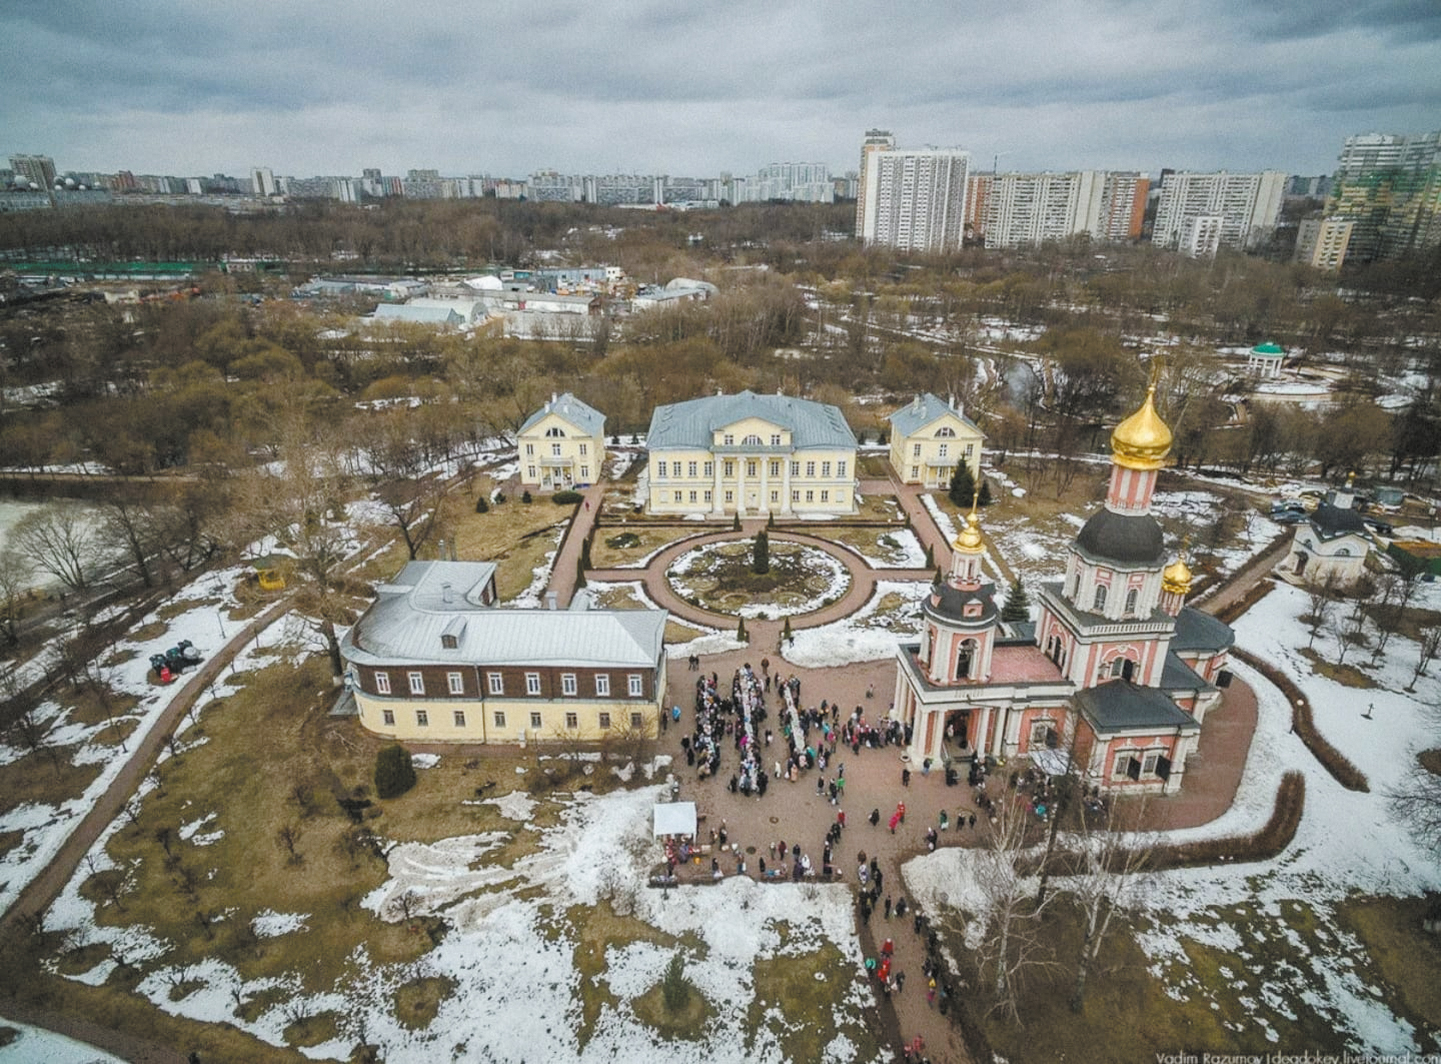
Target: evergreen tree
(394,773)
(985,499)
(761,555)
(481,506)
(579,574)
(736,523)
(771,520)
(741,632)
(1018,604)
(585,552)
(786,632)
(930,556)
(676,988)
(963,485)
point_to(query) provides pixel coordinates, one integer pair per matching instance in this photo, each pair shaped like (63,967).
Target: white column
(765,485)
(786,484)
(715,498)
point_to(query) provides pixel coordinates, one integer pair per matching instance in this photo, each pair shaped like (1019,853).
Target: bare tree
(62,540)
(1320,598)
(287,837)
(15,576)
(1426,652)
(300,503)
(1011,946)
(1110,878)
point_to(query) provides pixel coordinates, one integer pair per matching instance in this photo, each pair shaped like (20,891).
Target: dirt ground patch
(1430,761)
(1408,958)
(1345,675)
(1207,1002)
(45,780)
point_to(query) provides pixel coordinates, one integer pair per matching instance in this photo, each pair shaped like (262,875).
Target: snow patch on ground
(865,635)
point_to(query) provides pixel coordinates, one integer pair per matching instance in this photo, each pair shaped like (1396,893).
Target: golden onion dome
(969,540)
(1176,577)
(1143,440)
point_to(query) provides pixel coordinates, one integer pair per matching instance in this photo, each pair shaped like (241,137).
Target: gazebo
(675,818)
(1265,360)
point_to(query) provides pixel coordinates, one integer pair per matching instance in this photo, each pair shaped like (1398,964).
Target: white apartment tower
(262,181)
(1198,212)
(914,200)
(876,140)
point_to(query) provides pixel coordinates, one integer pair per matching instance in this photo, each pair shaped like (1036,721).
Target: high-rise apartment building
(262,181)
(876,140)
(1199,213)
(1323,242)
(39,170)
(1027,209)
(1123,205)
(1388,186)
(914,200)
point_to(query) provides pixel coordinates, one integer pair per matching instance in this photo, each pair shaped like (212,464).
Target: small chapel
(1115,677)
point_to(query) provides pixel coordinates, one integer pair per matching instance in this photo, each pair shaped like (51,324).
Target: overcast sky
(331,86)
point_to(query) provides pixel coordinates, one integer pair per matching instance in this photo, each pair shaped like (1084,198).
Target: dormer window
(751,441)
(973,609)
(945,433)
(554,431)
(449,642)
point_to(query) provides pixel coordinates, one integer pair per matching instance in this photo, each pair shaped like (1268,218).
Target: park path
(1235,586)
(46,886)
(563,569)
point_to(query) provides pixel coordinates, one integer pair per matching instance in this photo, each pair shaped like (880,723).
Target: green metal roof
(1268,349)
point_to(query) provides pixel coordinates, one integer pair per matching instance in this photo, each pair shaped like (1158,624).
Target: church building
(1117,674)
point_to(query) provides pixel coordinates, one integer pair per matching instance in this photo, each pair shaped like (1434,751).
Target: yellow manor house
(750,454)
(928,437)
(562,445)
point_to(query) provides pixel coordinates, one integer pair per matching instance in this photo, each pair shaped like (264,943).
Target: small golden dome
(1176,577)
(969,540)
(1143,440)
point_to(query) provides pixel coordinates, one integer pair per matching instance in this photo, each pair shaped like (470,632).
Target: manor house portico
(751,454)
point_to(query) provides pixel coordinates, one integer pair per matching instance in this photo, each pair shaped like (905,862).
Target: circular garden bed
(719,577)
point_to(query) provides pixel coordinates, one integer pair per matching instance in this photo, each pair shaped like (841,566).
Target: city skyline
(306,88)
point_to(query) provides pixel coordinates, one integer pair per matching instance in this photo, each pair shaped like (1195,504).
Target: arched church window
(965,659)
(1131,597)
(1100,600)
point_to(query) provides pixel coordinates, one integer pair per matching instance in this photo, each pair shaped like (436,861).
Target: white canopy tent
(675,818)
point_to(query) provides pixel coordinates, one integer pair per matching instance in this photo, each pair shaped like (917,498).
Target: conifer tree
(985,497)
(1018,604)
(963,485)
(761,555)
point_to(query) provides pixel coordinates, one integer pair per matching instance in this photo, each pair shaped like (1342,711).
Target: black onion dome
(948,605)
(1122,538)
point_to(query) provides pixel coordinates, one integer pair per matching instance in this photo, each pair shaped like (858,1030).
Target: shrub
(481,506)
(1332,760)
(499,498)
(394,774)
(761,554)
(525,497)
(881,436)
(736,523)
(741,632)
(930,555)
(565,498)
